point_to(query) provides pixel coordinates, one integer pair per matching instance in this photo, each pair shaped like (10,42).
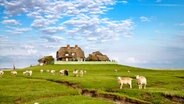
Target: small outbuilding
(97,56)
(46,60)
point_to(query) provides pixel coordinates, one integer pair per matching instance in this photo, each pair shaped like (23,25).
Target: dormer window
(73,54)
(66,54)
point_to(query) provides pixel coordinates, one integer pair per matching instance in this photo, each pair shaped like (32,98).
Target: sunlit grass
(22,89)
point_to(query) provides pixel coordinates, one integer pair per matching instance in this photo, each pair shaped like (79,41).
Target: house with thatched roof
(70,54)
(97,56)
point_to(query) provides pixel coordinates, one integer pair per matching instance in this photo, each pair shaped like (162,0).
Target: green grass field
(164,86)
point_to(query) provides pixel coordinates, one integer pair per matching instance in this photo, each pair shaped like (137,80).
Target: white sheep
(116,70)
(85,71)
(61,72)
(125,80)
(14,72)
(81,73)
(52,71)
(141,80)
(75,73)
(48,71)
(28,73)
(41,71)
(24,73)
(1,72)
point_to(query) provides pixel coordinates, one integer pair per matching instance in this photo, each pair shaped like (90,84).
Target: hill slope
(97,85)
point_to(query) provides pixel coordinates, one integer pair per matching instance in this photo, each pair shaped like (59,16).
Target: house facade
(70,54)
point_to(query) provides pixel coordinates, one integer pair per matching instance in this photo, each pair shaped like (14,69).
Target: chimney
(76,46)
(68,46)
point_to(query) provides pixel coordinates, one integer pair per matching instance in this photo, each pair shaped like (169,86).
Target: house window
(66,54)
(73,54)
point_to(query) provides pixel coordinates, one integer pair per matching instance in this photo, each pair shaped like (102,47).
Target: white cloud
(124,2)
(18,30)
(49,38)
(31,51)
(3,39)
(28,47)
(82,17)
(98,29)
(52,30)
(145,19)
(181,24)
(10,22)
(41,23)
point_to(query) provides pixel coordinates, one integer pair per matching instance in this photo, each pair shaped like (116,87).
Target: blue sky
(142,33)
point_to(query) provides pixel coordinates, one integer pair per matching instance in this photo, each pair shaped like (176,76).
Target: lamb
(52,71)
(81,73)
(1,72)
(61,72)
(66,72)
(125,80)
(41,71)
(75,73)
(28,73)
(14,72)
(141,80)
(85,71)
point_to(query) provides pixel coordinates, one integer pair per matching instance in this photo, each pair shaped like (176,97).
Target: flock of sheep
(76,73)
(141,80)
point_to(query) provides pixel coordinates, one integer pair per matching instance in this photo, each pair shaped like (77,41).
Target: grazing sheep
(116,70)
(28,73)
(81,73)
(128,71)
(1,72)
(141,80)
(125,80)
(85,71)
(14,72)
(41,71)
(61,72)
(52,71)
(66,72)
(24,73)
(75,73)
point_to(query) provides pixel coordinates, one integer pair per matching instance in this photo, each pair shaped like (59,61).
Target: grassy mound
(164,86)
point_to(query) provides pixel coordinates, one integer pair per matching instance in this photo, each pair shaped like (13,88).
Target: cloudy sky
(143,33)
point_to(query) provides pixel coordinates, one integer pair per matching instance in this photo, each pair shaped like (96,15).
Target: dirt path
(117,99)
(94,93)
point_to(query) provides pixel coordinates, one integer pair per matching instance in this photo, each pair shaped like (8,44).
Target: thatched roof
(97,56)
(73,52)
(46,60)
